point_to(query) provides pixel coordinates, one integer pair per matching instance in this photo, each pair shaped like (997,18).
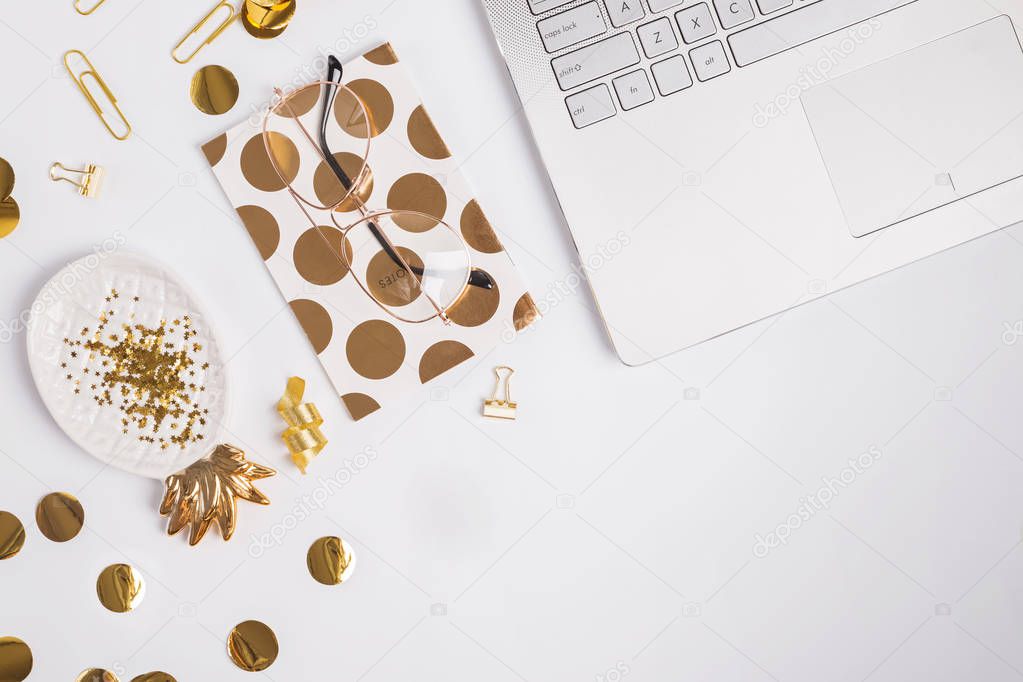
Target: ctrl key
(590,106)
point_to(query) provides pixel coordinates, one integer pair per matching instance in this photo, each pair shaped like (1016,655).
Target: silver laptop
(721,161)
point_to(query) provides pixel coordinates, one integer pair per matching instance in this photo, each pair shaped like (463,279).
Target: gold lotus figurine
(208,491)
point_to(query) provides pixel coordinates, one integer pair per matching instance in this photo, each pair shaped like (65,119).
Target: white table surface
(610,532)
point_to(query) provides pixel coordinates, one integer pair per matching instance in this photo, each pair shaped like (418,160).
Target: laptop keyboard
(652,48)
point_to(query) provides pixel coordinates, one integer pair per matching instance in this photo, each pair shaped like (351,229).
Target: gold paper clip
(83,11)
(92,176)
(495,407)
(90,72)
(232,14)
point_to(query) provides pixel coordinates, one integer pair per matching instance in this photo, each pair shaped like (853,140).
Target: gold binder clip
(495,407)
(90,72)
(232,14)
(92,176)
(86,11)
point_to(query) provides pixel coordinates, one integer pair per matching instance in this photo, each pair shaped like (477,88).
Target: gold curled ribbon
(303,436)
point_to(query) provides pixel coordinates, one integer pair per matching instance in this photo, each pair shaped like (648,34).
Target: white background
(612,527)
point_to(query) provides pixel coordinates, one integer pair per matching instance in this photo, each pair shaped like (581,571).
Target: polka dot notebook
(372,358)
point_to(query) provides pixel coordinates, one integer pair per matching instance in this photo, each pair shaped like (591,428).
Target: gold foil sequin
(214,90)
(268,18)
(152,375)
(6,180)
(154,677)
(330,561)
(15,660)
(96,675)
(60,516)
(12,538)
(10,216)
(252,646)
(120,588)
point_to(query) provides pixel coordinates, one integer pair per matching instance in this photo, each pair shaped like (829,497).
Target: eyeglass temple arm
(335,71)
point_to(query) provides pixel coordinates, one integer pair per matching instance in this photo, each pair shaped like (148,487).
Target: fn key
(590,106)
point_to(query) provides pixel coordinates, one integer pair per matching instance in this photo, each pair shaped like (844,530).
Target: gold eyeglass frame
(351,195)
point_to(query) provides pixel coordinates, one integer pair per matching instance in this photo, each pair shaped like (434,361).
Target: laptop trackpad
(923,129)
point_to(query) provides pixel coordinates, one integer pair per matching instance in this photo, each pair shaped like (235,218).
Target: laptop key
(768,6)
(633,89)
(710,60)
(733,12)
(595,61)
(571,27)
(541,6)
(696,23)
(661,5)
(657,37)
(624,12)
(672,75)
(590,106)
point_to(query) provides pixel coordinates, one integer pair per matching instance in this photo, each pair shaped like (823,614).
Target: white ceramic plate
(74,300)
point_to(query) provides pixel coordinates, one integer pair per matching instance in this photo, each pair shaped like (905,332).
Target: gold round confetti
(120,588)
(60,516)
(214,90)
(330,561)
(262,227)
(329,189)
(6,180)
(154,677)
(252,646)
(476,305)
(259,170)
(15,660)
(10,216)
(315,321)
(267,22)
(12,536)
(421,193)
(375,349)
(424,136)
(389,282)
(440,357)
(96,675)
(317,256)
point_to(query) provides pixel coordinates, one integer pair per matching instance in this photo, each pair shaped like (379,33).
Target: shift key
(595,61)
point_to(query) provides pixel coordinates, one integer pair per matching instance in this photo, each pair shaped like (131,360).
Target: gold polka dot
(262,227)
(60,516)
(329,189)
(389,282)
(477,231)
(424,136)
(360,405)
(96,675)
(12,537)
(315,321)
(252,646)
(120,588)
(375,349)
(525,312)
(215,148)
(330,561)
(440,357)
(300,102)
(476,305)
(318,258)
(375,100)
(417,192)
(382,56)
(15,660)
(154,677)
(259,170)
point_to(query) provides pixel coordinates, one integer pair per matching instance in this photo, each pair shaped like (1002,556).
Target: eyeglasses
(411,263)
